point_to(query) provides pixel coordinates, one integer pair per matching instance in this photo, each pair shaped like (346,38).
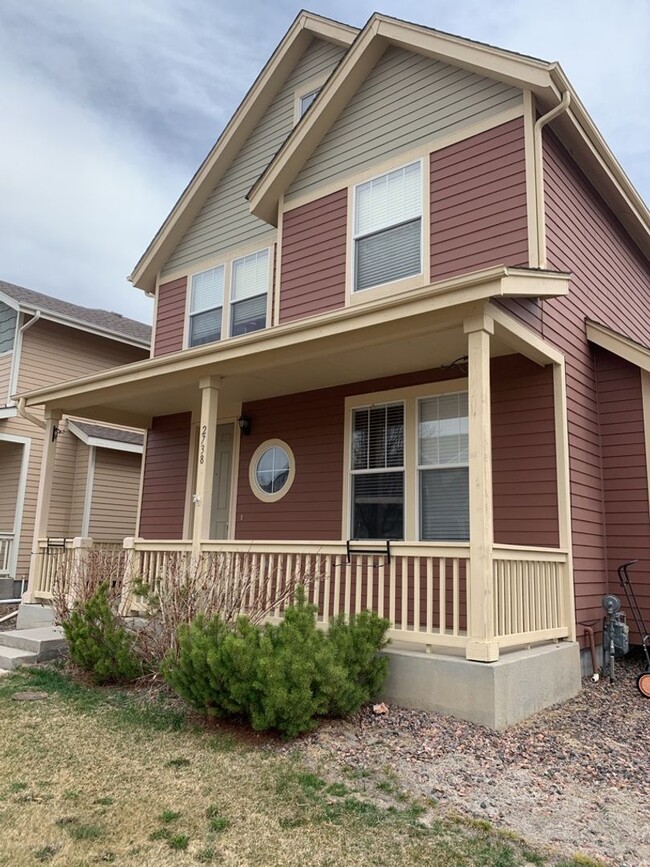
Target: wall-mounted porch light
(244,423)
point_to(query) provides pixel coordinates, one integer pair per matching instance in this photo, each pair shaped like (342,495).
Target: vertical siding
(478,203)
(523,453)
(625,482)
(165,477)
(406,100)
(313,257)
(170,317)
(11,456)
(115,495)
(225,221)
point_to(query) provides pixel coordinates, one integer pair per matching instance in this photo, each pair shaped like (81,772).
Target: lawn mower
(616,640)
(643,680)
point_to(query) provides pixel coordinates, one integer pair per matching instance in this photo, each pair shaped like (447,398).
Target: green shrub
(99,644)
(279,677)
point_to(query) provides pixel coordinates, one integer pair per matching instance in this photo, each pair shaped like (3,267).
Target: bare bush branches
(78,572)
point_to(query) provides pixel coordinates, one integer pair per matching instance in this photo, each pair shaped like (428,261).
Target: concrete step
(12,657)
(45,642)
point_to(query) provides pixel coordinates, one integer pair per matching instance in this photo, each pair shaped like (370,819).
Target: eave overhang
(130,392)
(306,27)
(618,344)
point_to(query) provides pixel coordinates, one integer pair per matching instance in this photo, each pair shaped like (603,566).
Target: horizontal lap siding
(165,477)
(11,458)
(5,374)
(625,481)
(406,100)
(478,203)
(225,221)
(116,486)
(523,453)
(170,317)
(610,283)
(313,258)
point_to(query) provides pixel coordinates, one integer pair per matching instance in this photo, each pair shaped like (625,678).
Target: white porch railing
(6,546)
(423,588)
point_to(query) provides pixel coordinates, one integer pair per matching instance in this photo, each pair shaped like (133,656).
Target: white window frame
(268,291)
(410,397)
(189,313)
(357,236)
(227,264)
(262,495)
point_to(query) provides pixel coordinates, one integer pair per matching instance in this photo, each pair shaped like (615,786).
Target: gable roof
(262,92)
(103,322)
(107,437)
(546,80)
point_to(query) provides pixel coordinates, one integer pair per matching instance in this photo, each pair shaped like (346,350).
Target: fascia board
(618,344)
(80,325)
(257,100)
(10,302)
(101,443)
(480,285)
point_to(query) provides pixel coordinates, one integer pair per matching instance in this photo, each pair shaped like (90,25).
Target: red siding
(625,481)
(165,477)
(611,284)
(313,257)
(170,317)
(478,203)
(523,453)
(312,423)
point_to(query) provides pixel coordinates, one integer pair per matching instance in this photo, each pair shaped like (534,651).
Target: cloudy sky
(108,107)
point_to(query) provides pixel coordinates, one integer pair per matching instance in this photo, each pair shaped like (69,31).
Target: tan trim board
(645,394)
(618,344)
(88,496)
(522,339)
(531,186)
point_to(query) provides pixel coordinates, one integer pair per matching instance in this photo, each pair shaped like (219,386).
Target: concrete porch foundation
(33,616)
(495,694)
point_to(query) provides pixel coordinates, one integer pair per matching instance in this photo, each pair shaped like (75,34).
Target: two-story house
(401,345)
(96,477)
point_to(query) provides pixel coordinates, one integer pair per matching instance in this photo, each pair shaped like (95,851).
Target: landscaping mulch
(575,776)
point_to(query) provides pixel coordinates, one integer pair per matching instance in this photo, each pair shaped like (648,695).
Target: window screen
(250,283)
(388,227)
(443,467)
(377,462)
(206,306)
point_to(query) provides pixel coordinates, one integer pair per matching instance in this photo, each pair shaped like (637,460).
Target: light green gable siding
(7,327)
(225,222)
(406,100)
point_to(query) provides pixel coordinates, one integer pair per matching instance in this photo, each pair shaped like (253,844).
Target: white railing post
(130,560)
(52,418)
(76,564)
(481,641)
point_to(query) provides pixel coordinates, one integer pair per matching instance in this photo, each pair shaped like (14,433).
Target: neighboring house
(405,299)
(44,341)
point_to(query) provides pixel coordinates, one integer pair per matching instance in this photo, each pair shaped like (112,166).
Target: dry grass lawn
(95,776)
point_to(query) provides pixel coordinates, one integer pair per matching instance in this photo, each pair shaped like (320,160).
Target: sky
(108,107)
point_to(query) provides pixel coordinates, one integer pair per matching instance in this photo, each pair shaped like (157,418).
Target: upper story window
(250,286)
(388,227)
(306,101)
(206,306)
(215,312)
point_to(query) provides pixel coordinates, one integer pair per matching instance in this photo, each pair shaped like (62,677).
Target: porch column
(564,491)
(481,642)
(209,386)
(52,418)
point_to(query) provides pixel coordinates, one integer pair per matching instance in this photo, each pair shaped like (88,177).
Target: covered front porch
(474,597)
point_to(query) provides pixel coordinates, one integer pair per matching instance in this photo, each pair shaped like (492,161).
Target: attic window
(306,101)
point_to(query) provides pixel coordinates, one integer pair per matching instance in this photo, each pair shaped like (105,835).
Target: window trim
(227,263)
(190,313)
(309,86)
(409,396)
(404,284)
(264,496)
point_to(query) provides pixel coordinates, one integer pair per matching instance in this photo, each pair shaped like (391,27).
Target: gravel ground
(575,777)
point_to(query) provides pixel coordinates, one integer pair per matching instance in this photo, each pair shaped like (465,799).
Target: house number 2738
(204,434)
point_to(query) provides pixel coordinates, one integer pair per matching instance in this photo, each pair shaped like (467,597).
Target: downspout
(13,383)
(25,413)
(539,174)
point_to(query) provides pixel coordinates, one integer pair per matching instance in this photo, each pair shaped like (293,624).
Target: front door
(222,481)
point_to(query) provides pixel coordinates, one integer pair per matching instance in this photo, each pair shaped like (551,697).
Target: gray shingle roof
(114,434)
(105,320)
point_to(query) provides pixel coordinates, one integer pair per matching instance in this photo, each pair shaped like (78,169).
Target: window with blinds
(206,306)
(7,327)
(250,285)
(388,227)
(377,469)
(443,467)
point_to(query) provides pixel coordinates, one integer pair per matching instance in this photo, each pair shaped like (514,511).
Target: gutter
(15,362)
(541,122)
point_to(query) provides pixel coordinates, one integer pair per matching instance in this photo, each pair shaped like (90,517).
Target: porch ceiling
(402,334)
